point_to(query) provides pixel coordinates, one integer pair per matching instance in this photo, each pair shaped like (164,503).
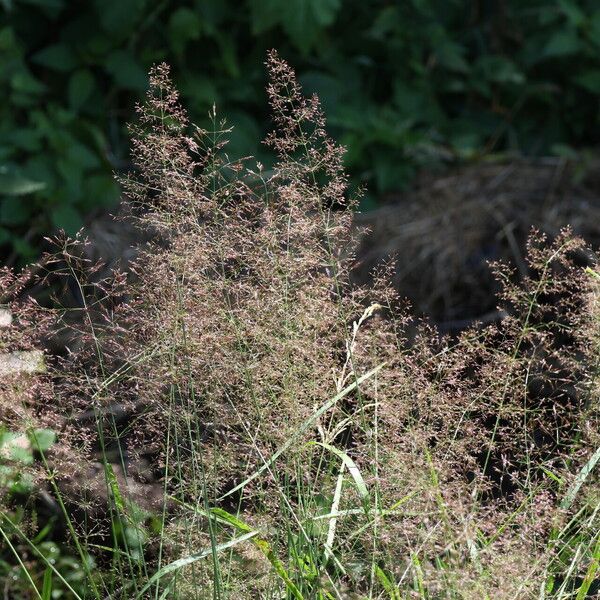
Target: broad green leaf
(24,249)
(184,25)
(135,536)
(56,56)
(244,137)
(565,151)
(48,4)
(119,18)
(16,447)
(573,12)
(126,70)
(67,218)
(264,14)
(213,14)
(82,155)
(563,43)
(23,82)
(198,89)
(302,20)
(590,80)
(23,485)
(390,172)
(500,69)
(325,11)
(4,235)
(26,138)
(228,55)
(14,210)
(452,56)
(594,34)
(100,190)
(13,184)
(81,84)
(42,439)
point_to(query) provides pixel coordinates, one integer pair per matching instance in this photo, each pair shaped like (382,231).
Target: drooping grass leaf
(329,404)
(352,469)
(192,558)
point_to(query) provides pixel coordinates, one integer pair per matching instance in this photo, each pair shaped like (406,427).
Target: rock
(31,361)
(5,317)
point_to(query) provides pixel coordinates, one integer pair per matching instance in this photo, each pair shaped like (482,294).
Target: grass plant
(235,420)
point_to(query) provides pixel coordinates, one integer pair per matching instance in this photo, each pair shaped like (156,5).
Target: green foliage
(405,85)
(49,567)
(53,571)
(17,450)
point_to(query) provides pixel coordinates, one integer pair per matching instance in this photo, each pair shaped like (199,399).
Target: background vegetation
(405,85)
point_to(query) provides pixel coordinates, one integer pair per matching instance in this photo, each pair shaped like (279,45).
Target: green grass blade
(354,471)
(47,584)
(226,518)
(590,573)
(264,547)
(113,485)
(38,553)
(167,592)
(21,564)
(386,583)
(579,480)
(420,581)
(276,563)
(337,495)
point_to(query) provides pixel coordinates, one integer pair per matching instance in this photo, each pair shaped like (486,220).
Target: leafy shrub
(310,439)
(405,85)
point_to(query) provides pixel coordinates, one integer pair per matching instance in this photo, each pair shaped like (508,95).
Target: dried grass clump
(448,227)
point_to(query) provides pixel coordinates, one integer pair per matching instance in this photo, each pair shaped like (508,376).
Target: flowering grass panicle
(311,439)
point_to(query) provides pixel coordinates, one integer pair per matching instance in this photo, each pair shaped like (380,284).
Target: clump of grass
(309,438)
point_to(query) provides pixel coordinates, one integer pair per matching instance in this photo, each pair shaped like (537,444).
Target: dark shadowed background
(408,86)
